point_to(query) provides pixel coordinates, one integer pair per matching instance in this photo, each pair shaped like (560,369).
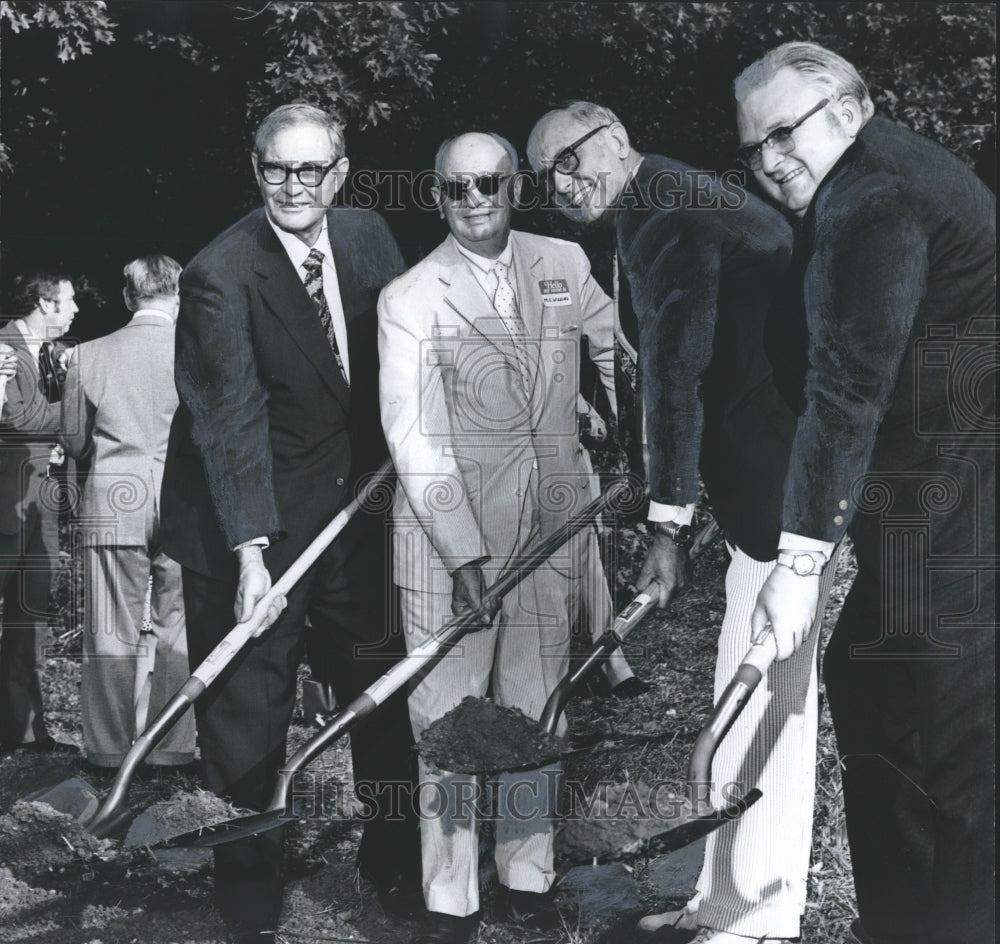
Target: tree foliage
(127,123)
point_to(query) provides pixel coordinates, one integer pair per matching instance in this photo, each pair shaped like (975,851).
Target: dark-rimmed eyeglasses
(567,160)
(751,156)
(309,175)
(488,185)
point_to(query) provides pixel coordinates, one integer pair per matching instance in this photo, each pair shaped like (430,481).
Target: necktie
(505,303)
(314,286)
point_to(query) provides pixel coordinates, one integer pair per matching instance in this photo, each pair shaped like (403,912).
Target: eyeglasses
(751,156)
(309,175)
(486,184)
(567,160)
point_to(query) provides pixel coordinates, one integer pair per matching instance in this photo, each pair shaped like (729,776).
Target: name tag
(555,292)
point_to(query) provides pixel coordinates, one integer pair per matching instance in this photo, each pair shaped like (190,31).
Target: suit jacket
(480,461)
(704,261)
(887,351)
(117,405)
(28,431)
(268,440)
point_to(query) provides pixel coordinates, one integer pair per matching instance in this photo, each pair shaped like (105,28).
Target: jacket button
(340,480)
(838,519)
(842,504)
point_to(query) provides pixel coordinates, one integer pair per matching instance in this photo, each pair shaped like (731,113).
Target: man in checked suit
(29,505)
(117,406)
(479,348)
(276,371)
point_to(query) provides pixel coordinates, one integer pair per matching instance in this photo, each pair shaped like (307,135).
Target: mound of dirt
(35,839)
(478,736)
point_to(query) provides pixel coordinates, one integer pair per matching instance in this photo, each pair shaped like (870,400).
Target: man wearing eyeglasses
(702,262)
(479,347)
(889,357)
(275,367)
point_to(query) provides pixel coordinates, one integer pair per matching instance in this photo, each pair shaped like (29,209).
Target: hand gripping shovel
(281,808)
(112,812)
(689,818)
(506,740)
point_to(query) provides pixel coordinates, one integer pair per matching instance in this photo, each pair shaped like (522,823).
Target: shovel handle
(383,688)
(752,669)
(110,814)
(239,635)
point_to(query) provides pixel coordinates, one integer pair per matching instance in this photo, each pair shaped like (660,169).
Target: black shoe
(631,688)
(252,937)
(47,745)
(443,928)
(400,894)
(535,910)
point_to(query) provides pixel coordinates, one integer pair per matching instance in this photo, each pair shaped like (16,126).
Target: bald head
(478,190)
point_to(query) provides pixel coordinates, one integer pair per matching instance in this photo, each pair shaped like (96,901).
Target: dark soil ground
(59,885)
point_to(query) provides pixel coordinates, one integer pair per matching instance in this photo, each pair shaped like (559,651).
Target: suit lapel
(465,296)
(529,296)
(286,297)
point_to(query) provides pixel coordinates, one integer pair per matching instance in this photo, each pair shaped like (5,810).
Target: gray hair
(442,151)
(153,276)
(822,67)
(586,114)
(299,113)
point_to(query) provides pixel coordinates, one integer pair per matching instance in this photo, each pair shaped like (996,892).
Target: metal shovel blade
(612,839)
(620,495)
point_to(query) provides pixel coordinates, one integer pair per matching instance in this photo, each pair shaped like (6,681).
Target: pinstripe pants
(525,653)
(753,881)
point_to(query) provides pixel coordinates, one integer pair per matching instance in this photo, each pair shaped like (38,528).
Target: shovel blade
(218,834)
(74,797)
(611,840)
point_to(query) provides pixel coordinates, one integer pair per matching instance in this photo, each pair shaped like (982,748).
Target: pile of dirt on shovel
(478,736)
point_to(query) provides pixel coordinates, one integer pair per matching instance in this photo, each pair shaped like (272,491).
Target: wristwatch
(680,534)
(803,564)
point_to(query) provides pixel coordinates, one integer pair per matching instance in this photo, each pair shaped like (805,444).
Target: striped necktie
(314,286)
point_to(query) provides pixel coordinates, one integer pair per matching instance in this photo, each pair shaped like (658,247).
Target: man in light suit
(276,371)
(29,506)
(117,406)
(479,348)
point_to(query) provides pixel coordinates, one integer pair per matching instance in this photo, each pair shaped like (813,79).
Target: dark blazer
(703,260)
(887,351)
(28,431)
(268,441)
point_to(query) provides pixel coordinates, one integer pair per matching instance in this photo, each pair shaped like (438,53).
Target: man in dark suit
(276,368)
(29,506)
(702,261)
(890,359)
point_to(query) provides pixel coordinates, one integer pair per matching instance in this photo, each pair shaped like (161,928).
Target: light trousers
(753,881)
(525,653)
(128,675)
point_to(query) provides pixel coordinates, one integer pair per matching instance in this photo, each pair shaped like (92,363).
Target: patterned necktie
(314,286)
(505,303)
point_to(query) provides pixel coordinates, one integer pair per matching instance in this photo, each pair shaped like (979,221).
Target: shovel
(538,749)
(282,808)
(112,813)
(693,816)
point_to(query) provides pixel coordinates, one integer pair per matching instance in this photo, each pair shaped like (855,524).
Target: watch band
(680,534)
(801,563)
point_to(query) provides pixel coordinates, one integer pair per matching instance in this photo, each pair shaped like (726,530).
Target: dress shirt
(297,252)
(482,269)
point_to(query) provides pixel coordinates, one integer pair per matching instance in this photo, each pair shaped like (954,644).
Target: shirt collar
(481,262)
(154,312)
(297,251)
